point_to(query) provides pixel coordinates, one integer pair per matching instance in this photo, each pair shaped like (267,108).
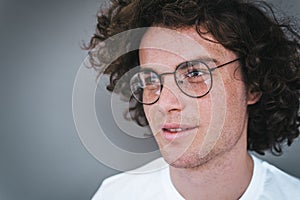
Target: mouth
(173,131)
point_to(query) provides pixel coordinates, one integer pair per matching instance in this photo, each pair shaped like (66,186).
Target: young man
(215,79)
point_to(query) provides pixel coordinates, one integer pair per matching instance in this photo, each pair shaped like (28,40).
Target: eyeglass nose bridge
(164,74)
(161,80)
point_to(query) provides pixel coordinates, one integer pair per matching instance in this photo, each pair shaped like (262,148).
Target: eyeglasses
(193,78)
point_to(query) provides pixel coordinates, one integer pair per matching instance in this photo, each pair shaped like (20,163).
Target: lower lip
(170,136)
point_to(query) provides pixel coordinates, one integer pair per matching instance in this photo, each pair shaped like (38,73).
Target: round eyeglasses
(193,78)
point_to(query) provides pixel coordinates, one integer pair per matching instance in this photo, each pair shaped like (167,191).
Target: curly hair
(268,48)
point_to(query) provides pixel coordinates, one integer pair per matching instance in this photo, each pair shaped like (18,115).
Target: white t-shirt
(267,183)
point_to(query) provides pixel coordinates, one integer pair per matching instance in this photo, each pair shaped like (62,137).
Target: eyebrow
(206,59)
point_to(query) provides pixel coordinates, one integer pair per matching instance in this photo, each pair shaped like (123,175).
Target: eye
(149,81)
(152,85)
(194,73)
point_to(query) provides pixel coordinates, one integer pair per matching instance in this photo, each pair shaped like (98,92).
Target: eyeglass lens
(193,78)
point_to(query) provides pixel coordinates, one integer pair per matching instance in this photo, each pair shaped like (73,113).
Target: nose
(170,99)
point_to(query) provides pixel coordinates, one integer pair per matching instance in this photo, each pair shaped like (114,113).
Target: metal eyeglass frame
(174,73)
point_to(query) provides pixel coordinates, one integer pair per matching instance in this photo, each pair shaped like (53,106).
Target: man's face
(191,131)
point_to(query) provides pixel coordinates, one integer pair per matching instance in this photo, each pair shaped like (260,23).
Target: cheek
(236,96)
(236,88)
(227,107)
(154,117)
(234,93)
(203,110)
(236,108)
(147,113)
(227,114)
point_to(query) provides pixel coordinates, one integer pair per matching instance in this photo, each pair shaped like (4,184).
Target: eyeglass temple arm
(212,69)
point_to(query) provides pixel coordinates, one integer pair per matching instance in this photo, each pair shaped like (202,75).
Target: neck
(226,176)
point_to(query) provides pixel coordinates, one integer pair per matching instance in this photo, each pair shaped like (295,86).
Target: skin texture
(210,160)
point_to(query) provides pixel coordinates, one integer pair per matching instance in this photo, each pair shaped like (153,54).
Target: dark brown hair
(268,48)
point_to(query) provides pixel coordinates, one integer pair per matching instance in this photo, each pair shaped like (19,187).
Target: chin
(187,160)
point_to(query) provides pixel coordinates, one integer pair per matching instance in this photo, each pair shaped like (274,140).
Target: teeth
(174,129)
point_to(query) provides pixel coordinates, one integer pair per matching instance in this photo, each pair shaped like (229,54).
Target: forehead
(184,44)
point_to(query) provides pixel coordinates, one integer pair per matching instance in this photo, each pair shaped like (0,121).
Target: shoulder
(141,180)
(285,185)
(278,184)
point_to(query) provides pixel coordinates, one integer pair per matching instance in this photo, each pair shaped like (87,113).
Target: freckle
(257,60)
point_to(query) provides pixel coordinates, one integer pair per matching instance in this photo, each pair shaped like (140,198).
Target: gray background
(41,155)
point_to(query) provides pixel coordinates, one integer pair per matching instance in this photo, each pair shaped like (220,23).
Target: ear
(252,96)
